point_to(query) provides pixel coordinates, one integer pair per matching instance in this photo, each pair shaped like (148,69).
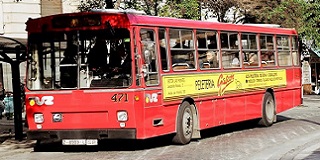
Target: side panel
(237,96)
(297,98)
(254,105)
(287,97)
(158,119)
(219,112)
(235,109)
(278,97)
(206,113)
(291,96)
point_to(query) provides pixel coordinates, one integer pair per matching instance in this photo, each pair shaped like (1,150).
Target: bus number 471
(120,97)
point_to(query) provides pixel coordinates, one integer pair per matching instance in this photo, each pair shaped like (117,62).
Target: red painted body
(93,109)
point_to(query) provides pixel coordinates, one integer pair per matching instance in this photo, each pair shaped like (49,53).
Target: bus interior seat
(270,63)
(180,66)
(206,65)
(113,82)
(246,63)
(254,64)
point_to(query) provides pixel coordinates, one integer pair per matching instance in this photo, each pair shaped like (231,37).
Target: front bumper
(81,134)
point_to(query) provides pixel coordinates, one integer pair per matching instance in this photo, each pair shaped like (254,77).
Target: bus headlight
(57,117)
(38,118)
(122,116)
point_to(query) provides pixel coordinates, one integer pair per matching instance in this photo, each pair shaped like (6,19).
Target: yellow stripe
(212,94)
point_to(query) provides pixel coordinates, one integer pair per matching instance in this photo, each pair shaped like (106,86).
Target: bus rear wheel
(268,110)
(184,124)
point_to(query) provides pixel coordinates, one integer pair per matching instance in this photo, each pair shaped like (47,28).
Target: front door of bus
(150,68)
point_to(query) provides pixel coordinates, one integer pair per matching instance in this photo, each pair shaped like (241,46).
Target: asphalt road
(296,135)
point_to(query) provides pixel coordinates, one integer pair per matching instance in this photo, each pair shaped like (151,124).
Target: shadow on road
(107,145)
(309,121)
(132,145)
(282,118)
(240,126)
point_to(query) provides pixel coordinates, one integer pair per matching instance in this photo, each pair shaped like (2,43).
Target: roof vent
(263,25)
(126,11)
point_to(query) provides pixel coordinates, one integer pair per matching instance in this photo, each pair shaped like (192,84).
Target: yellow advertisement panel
(218,84)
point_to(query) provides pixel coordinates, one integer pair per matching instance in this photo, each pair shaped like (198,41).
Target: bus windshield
(79,59)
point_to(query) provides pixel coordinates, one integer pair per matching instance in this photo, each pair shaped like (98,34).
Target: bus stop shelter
(13,51)
(314,61)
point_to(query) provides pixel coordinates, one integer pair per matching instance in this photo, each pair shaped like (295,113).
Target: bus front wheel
(184,124)
(268,110)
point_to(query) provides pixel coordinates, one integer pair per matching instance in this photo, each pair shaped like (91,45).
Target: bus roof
(131,19)
(184,23)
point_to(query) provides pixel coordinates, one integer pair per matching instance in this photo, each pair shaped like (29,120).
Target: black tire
(268,110)
(184,124)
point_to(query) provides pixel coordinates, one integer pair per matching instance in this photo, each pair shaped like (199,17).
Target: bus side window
(182,49)
(295,53)
(163,49)
(208,54)
(250,52)
(284,55)
(267,50)
(230,49)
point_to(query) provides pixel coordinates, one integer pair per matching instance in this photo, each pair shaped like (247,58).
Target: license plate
(89,142)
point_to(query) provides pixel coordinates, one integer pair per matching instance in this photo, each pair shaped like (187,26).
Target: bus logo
(150,98)
(224,82)
(47,100)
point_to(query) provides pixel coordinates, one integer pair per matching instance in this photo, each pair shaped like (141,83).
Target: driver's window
(149,56)
(68,66)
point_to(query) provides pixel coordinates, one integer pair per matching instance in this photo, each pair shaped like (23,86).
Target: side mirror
(145,70)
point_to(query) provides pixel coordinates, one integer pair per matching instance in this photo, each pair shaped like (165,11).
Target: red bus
(122,75)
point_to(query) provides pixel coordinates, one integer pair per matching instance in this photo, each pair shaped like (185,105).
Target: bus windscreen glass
(79,59)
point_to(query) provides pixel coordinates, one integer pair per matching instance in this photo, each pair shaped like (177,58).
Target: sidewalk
(6,126)
(311,150)
(313,97)
(7,129)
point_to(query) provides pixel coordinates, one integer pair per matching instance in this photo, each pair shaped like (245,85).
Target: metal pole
(18,127)
(316,74)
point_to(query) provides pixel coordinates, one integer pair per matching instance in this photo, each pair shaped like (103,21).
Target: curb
(4,137)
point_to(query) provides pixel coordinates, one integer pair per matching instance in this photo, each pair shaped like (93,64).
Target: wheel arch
(196,127)
(271,91)
(264,121)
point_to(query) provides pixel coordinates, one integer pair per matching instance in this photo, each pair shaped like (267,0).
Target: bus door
(150,77)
